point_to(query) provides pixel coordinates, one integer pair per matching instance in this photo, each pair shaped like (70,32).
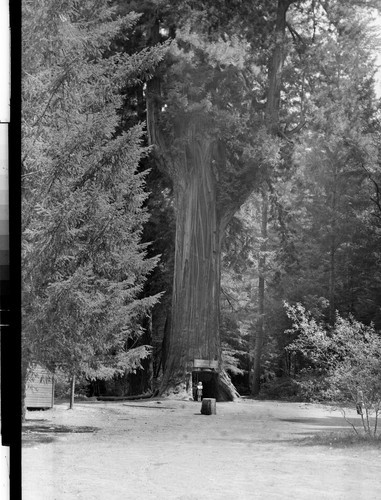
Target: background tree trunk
(272,124)
(276,68)
(72,390)
(332,248)
(260,333)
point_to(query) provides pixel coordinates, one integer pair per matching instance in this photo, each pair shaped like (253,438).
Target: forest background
(244,133)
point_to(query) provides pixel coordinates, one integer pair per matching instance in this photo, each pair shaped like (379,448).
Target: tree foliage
(323,235)
(347,356)
(84,266)
(273,97)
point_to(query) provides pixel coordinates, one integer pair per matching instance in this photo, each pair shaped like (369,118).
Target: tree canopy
(84,265)
(241,141)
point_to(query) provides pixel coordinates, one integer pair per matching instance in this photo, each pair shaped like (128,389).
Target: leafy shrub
(346,356)
(62,384)
(312,387)
(281,388)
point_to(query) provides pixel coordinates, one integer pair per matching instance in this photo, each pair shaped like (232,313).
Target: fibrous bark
(194,332)
(206,197)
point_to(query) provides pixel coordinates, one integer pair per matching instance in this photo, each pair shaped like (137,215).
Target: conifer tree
(320,220)
(84,266)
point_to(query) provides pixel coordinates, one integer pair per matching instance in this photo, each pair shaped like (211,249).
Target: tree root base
(225,390)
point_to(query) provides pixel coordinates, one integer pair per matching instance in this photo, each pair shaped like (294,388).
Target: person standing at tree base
(199,391)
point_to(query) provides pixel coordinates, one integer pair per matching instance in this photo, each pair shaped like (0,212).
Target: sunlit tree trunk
(72,391)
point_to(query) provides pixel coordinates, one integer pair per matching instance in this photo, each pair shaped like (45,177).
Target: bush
(281,388)
(62,386)
(312,387)
(347,356)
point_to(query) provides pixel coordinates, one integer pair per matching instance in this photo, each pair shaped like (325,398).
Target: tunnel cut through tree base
(209,383)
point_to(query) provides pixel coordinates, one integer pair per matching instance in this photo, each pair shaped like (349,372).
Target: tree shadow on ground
(39,420)
(327,431)
(338,439)
(333,431)
(342,439)
(34,432)
(324,421)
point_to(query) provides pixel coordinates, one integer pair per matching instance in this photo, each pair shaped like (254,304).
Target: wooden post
(208,406)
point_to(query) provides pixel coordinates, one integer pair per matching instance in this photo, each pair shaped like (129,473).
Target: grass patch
(344,439)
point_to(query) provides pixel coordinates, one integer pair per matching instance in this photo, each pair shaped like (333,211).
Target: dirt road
(164,449)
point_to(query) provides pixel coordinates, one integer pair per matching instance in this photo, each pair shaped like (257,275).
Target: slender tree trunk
(332,249)
(24,378)
(260,333)
(332,280)
(72,390)
(276,68)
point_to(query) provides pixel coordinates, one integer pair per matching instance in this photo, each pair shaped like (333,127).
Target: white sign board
(205,363)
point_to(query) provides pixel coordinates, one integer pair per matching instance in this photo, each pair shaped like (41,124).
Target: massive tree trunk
(194,333)
(188,154)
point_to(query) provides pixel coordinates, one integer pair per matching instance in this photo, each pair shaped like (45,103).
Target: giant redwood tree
(213,119)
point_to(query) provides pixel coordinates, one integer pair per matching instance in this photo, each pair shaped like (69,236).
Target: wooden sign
(205,363)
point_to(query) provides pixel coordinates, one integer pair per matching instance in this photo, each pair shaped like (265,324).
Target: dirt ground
(165,449)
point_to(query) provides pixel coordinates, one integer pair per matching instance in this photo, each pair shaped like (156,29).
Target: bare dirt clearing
(165,449)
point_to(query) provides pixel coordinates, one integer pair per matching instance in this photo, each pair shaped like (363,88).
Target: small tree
(347,355)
